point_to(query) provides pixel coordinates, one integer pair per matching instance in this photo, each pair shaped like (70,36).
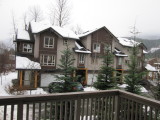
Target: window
(96,47)
(81,58)
(119,61)
(65,42)
(47,60)
(48,42)
(27,48)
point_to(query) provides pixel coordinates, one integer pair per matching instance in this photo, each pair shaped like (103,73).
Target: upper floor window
(65,42)
(120,61)
(96,47)
(81,58)
(27,48)
(48,42)
(47,60)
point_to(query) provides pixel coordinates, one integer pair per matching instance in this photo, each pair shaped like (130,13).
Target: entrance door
(82,76)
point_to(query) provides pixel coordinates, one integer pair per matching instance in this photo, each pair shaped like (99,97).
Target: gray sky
(117,15)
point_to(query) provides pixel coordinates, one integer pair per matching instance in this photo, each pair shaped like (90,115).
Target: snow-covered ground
(6,80)
(125,85)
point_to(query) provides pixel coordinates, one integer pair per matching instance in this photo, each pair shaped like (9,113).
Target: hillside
(153,46)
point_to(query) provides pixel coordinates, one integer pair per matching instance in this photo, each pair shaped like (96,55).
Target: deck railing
(101,105)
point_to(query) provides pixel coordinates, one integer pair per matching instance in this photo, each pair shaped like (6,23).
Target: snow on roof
(150,68)
(89,32)
(119,53)
(80,49)
(145,52)
(25,63)
(23,34)
(64,32)
(127,42)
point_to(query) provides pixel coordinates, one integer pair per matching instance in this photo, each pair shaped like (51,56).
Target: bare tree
(25,20)
(60,13)
(14,23)
(35,13)
(77,29)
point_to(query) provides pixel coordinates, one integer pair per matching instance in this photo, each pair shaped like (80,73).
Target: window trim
(28,48)
(42,60)
(44,45)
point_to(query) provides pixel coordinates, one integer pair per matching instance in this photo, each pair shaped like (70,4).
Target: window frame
(65,42)
(81,58)
(49,38)
(47,63)
(98,49)
(31,48)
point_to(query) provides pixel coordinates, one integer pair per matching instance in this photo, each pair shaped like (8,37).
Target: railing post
(20,111)
(117,107)
(77,109)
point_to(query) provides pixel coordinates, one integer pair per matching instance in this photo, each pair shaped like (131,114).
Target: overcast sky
(117,15)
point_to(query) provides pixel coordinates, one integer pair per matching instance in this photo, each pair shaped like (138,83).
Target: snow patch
(89,89)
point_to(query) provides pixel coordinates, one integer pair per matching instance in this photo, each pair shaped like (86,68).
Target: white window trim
(65,42)
(49,46)
(98,49)
(81,58)
(42,61)
(31,48)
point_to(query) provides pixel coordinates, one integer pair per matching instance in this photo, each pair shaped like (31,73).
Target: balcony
(101,105)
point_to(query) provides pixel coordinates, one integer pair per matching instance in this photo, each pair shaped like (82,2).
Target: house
(40,48)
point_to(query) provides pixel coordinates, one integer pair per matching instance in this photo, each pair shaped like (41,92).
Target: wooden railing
(101,105)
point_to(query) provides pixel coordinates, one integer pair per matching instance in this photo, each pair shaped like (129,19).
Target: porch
(100,105)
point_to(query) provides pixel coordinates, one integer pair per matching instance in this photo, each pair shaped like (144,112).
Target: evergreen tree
(105,79)
(67,69)
(134,76)
(156,89)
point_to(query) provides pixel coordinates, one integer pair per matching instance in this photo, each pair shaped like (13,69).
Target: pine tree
(67,70)
(134,76)
(105,79)
(156,89)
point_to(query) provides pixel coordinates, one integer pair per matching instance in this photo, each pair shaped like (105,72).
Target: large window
(47,60)
(48,42)
(96,47)
(27,48)
(81,58)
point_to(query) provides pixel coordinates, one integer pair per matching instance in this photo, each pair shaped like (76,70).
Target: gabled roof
(94,30)
(130,43)
(38,27)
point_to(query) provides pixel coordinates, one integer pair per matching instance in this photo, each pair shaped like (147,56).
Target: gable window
(47,60)
(27,48)
(96,47)
(48,42)
(65,42)
(81,58)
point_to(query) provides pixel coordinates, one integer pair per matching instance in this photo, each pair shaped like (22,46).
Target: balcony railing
(101,105)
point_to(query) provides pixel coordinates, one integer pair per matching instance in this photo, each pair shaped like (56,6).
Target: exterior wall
(36,45)
(61,47)
(49,51)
